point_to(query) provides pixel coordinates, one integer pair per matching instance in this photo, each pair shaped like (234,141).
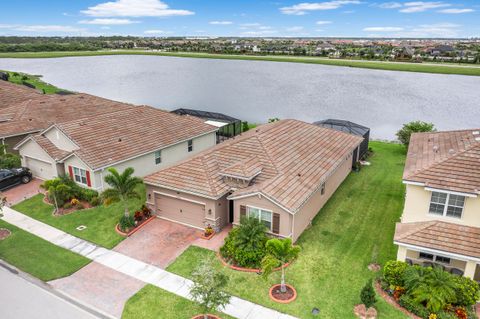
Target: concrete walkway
(163,279)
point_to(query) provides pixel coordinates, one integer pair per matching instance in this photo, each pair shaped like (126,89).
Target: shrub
(228,248)
(67,206)
(9,160)
(408,303)
(138,216)
(413,127)
(467,291)
(74,201)
(147,212)
(367,295)
(95,201)
(88,194)
(126,222)
(393,272)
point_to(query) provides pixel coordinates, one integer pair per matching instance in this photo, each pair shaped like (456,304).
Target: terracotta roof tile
(49,147)
(13,94)
(295,157)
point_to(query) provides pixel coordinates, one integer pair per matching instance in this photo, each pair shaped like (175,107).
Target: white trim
(431,189)
(176,221)
(38,159)
(179,197)
(260,194)
(184,191)
(61,131)
(413,183)
(20,134)
(440,252)
(151,151)
(74,154)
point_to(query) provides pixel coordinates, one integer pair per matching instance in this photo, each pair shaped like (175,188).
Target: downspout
(4,148)
(101,177)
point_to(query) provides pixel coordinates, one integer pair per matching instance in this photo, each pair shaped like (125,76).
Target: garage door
(180,210)
(40,169)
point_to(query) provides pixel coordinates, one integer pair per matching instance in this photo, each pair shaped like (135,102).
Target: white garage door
(40,169)
(180,210)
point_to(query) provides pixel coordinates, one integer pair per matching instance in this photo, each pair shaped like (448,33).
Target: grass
(352,230)
(38,257)
(153,302)
(21,78)
(100,221)
(440,68)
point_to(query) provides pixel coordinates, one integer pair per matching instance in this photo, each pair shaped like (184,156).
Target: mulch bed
(134,229)
(393,302)
(202,236)
(210,316)
(286,297)
(4,233)
(238,268)
(65,211)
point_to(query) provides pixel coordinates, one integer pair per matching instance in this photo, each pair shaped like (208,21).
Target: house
(141,137)
(24,111)
(281,173)
(440,223)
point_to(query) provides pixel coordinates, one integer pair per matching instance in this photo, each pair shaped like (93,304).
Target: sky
(246,18)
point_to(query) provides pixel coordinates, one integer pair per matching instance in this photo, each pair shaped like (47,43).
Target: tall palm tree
(122,187)
(436,290)
(279,251)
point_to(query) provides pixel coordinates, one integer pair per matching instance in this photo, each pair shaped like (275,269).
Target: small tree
(8,160)
(413,127)
(367,295)
(123,187)
(279,251)
(3,203)
(208,288)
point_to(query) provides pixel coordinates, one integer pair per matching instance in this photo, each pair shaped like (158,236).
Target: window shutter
(243,211)
(276,223)
(89,183)
(70,171)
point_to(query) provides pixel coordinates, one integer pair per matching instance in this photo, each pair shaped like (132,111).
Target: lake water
(257,90)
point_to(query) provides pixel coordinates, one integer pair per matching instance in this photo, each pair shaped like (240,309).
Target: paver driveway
(159,242)
(21,192)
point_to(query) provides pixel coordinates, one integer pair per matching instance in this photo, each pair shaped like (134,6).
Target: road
(24,297)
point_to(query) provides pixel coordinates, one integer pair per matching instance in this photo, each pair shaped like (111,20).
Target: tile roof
(447,237)
(35,115)
(295,157)
(246,169)
(13,94)
(53,151)
(109,138)
(445,160)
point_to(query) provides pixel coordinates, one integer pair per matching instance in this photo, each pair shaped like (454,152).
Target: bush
(126,222)
(87,194)
(393,272)
(408,303)
(95,201)
(367,295)
(413,127)
(9,160)
(228,248)
(467,291)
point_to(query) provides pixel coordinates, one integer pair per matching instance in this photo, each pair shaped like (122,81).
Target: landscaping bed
(336,250)
(282,297)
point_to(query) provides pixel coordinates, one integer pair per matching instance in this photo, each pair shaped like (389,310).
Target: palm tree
(123,187)
(279,251)
(251,234)
(436,290)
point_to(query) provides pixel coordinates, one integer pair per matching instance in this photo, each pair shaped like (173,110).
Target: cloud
(221,22)
(323,22)
(421,6)
(383,29)
(134,8)
(46,28)
(156,32)
(259,33)
(456,11)
(108,21)
(294,29)
(390,5)
(305,7)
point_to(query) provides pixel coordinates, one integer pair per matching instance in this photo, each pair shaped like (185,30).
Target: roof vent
(42,102)
(435,148)
(30,120)
(62,100)
(299,175)
(120,139)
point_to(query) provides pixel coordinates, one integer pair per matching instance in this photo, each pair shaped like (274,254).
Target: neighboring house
(441,219)
(30,112)
(141,137)
(281,173)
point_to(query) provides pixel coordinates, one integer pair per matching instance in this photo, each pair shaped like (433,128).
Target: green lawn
(100,221)
(154,303)
(19,78)
(442,68)
(38,257)
(355,225)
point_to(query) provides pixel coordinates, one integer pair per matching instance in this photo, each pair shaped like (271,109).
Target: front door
(230,211)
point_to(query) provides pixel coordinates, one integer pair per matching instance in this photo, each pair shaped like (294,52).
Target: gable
(31,149)
(59,139)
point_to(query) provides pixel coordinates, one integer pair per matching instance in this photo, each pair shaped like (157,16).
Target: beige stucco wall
(262,202)
(31,150)
(76,162)
(417,203)
(60,140)
(307,213)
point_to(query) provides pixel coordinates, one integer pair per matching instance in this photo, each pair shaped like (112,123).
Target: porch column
(401,253)
(470,268)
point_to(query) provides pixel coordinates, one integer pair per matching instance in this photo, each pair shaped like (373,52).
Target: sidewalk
(180,286)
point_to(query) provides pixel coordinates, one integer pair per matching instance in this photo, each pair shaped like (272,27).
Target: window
(190,145)
(425,256)
(439,259)
(447,204)
(264,216)
(158,157)
(80,175)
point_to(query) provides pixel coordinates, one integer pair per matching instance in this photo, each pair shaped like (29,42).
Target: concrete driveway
(21,192)
(159,242)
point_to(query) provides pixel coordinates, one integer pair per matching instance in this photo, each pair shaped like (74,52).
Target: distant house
(403,53)
(440,224)
(141,137)
(281,173)
(351,128)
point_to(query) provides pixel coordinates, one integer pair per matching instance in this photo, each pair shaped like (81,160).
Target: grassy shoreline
(35,80)
(440,68)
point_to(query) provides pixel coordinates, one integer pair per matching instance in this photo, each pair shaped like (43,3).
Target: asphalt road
(24,297)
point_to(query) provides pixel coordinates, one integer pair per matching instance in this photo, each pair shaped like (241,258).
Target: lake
(258,90)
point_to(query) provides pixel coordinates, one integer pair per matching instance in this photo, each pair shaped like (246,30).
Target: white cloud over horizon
(323,22)
(305,7)
(134,8)
(108,21)
(220,22)
(456,11)
(382,29)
